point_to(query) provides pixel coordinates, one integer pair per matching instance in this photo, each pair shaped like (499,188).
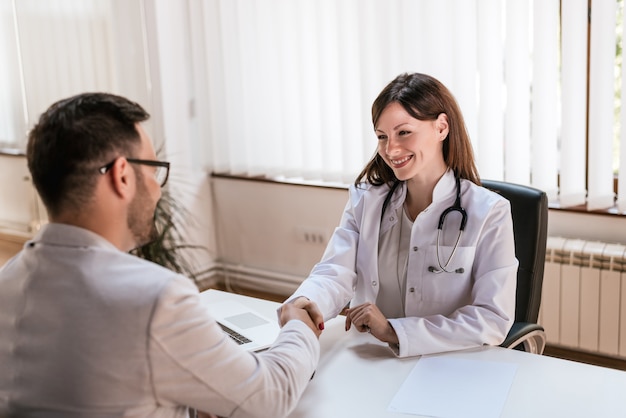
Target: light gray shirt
(393,257)
(87,330)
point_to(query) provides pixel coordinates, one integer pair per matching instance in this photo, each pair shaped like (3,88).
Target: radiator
(583,303)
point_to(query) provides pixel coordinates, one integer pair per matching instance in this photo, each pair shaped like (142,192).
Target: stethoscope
(454,208)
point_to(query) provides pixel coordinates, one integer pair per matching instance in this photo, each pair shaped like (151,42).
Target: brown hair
(424,98)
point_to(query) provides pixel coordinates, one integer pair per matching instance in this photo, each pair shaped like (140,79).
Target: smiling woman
(422,289)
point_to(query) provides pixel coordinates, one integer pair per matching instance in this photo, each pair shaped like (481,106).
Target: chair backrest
(529,208)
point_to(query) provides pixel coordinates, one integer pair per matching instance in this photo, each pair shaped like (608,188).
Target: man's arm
(195,364)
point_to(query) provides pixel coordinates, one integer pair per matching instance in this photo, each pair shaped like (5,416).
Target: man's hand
(368,318)
(289,311)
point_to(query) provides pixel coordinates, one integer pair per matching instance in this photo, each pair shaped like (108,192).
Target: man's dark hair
(73,139)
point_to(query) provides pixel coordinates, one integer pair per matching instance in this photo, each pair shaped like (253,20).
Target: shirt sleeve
(194,364)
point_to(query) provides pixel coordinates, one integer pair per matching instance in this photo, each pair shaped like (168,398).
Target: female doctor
(423,253)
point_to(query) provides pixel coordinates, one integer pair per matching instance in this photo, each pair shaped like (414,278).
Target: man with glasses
(88,330)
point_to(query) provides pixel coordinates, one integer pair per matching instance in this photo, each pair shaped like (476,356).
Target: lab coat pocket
(451,289)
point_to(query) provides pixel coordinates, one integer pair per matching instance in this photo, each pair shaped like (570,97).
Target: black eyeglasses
(161,173)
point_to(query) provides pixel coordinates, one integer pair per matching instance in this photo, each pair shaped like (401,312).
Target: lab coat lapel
(370,227)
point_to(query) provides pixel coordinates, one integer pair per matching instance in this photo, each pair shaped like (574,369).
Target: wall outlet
(312,235)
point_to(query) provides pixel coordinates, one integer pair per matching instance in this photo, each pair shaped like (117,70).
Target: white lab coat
(446,311)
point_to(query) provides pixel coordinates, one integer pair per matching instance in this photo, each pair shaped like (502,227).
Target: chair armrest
(532,336)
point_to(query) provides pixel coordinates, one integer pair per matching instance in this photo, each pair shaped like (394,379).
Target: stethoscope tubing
(454,208)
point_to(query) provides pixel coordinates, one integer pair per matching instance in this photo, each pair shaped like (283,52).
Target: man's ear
(442,125)
(121,174)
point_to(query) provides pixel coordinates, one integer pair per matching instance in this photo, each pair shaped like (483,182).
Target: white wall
(261,225)
(587,226)
(20,209)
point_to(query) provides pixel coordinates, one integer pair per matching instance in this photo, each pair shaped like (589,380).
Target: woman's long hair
(424,98)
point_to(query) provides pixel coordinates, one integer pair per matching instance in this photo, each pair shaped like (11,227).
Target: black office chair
(529,207)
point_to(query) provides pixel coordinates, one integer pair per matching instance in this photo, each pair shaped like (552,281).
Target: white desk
(358,376)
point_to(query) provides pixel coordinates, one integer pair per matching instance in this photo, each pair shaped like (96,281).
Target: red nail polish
(321,326)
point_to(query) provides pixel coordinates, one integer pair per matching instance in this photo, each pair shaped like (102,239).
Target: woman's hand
(367,317)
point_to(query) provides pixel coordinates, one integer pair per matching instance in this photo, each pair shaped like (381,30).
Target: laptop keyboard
(239,339)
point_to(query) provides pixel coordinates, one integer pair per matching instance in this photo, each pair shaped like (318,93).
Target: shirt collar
(445,187)
(70,236)
(443,191)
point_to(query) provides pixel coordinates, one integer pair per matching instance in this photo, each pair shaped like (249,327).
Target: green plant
(169,247)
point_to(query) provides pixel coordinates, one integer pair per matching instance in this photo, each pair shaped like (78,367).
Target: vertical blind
(291,83)
(12,113)
(53,49)
(574,97)
(601,103)
(286,85)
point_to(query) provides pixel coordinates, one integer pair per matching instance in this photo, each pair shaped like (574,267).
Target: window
(284,87)
(51,50)
(290,84)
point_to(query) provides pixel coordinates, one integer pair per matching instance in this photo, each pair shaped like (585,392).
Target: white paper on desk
(448,387)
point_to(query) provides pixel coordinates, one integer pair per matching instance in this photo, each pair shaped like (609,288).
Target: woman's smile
(401,162)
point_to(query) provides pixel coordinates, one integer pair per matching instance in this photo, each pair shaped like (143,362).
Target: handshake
(365,317)
(303,309)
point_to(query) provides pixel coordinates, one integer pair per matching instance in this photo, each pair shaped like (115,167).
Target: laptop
(247,327)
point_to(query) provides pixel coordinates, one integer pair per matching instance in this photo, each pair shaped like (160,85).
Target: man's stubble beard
(141,219)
